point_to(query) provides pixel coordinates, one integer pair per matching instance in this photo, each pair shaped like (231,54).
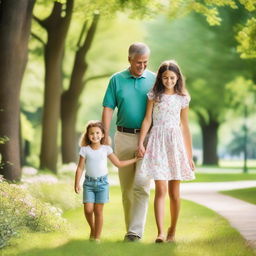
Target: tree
(77,83)
(15,23)
(56,25)
(70,97)
(209,60)
(242,97)
(245,35)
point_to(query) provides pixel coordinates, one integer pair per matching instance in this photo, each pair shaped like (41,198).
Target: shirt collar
(129,75)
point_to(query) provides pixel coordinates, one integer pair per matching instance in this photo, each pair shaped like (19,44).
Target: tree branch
(97,77)
(82,33)
(38,38)
(39,21)
(69,8)
(90,34)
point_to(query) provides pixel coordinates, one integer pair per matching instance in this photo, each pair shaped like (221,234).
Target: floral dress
(165,157)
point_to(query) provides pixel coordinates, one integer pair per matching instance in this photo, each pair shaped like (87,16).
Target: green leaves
(246,38)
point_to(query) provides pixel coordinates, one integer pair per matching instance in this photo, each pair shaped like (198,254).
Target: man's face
(138,64)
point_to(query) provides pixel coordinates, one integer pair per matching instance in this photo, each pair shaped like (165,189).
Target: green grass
(246,194)
(251,163)
(200,232)
(218,177)
(210,177)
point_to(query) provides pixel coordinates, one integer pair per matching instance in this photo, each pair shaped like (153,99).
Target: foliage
(26,128)
(60,195)
(211,10)
(206,55)
(20,210)
(3,140)
(236,145)
(246,38)
(241,92)
(46,187)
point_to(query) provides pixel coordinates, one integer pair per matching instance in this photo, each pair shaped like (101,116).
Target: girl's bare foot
(91,238)
(170,238)
(159,239)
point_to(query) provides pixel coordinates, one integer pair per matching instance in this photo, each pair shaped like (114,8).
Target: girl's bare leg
(98,215)
(159,202)
(88,212)
(174,194)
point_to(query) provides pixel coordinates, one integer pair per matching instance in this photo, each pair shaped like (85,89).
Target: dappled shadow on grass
(106,248)
(221,246)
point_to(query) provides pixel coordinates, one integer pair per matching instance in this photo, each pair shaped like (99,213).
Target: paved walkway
(240,214)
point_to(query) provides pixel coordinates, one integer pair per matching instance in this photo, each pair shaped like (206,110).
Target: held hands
(137,158)
(140,151)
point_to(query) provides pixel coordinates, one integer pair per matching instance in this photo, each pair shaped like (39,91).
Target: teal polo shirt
(129,95)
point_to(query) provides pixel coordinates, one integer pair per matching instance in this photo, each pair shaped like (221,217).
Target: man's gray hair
(138,49)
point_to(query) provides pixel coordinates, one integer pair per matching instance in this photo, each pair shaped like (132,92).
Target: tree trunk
(15,23)
(57,27)
(70,98)
(210,142)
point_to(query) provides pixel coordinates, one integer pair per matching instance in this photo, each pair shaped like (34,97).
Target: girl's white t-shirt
(96,160)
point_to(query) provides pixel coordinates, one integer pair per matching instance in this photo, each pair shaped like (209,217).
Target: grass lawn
(218,177)
(200,232)
(251,163)
(246,194)
(208,177)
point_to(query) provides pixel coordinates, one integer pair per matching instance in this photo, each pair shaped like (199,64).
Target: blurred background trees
(76,45)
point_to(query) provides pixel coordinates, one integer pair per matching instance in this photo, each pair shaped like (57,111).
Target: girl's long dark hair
(84,140)
(179,88)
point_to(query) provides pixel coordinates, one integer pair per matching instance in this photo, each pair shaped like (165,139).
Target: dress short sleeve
(109,150)
(82,152)
(185,101)
(150,95)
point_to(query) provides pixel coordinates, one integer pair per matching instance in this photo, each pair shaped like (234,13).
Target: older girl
(168,156)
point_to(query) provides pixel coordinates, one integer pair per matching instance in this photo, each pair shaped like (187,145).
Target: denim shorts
(96,190)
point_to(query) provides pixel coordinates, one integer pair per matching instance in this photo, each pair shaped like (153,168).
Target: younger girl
(93,155)
(168,156)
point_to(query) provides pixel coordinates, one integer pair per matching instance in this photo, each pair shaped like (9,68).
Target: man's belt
(128,130)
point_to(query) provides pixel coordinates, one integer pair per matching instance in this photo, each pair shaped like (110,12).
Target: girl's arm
(118,163)
(79,171)
(145,127)
(187,136)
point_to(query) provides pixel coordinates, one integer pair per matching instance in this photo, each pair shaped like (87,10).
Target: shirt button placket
(135,82)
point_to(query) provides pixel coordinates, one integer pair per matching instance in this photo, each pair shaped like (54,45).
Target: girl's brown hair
(84,140)
(179,88)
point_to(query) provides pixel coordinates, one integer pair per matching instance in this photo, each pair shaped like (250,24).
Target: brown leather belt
(128,130)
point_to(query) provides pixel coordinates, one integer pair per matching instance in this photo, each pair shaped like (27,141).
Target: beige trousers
(135,188)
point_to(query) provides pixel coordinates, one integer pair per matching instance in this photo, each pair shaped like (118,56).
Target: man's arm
(107,115)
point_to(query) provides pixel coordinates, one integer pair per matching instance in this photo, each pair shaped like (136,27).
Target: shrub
(61,194)
(21,210)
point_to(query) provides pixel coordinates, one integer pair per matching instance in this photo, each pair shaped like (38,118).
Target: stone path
(240,214)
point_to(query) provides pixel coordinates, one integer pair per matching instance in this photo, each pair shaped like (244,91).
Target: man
(127,91)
